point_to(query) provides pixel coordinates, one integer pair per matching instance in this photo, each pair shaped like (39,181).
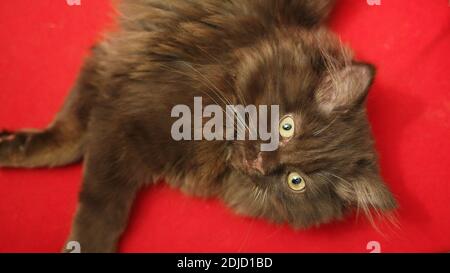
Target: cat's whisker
(206,93)
(325,177)
(338,177)
(265,195)
(239,92)
(364,206)
(345,53)
(318,132)
(330,66)
(170,69)
(255,193)
(217,91)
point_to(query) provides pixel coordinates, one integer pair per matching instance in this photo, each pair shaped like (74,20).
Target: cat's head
(325,164)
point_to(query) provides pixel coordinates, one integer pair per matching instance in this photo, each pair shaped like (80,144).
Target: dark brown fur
(229,52)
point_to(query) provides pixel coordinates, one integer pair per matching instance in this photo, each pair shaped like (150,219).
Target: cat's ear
(345,88)
(367,193)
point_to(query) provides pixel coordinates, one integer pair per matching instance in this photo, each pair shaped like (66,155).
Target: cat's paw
(11,145)
(6,135)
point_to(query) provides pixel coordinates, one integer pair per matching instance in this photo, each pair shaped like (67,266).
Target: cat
(260,52)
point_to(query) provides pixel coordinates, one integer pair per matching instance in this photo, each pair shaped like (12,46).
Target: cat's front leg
(108,190)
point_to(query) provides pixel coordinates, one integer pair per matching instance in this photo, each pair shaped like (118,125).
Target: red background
(42,47)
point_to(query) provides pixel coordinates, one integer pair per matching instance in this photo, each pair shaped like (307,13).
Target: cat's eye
(287,127)
(296,182)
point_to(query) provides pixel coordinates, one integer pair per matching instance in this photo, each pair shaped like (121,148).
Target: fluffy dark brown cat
(259,52)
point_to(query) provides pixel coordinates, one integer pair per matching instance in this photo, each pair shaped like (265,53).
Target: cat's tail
(62,142)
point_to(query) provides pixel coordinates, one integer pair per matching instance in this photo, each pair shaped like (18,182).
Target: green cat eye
(287,127)
(296,182)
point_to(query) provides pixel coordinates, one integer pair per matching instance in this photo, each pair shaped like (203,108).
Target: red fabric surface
(42,47)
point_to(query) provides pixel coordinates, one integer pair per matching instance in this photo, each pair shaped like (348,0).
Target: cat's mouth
(254,167)
(247,163)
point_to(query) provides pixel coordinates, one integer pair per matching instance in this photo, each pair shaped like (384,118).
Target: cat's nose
(256,164)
